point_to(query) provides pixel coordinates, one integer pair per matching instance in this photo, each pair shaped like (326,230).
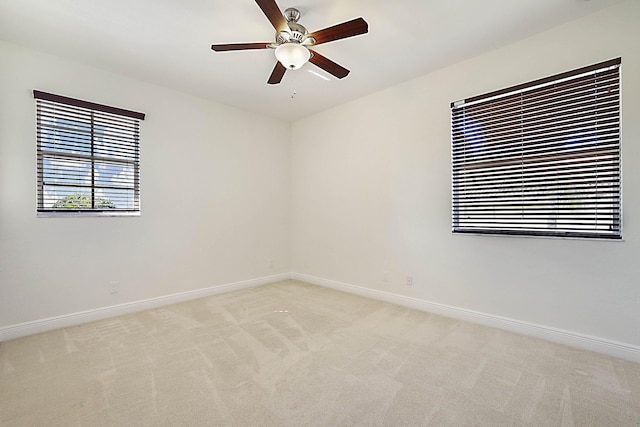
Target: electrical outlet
(386,276)
(409,281)
(114,287)
(269,263)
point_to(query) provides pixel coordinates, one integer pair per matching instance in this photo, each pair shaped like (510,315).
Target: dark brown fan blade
(341,31)
(273,14)
(239,46)
(276,74)
(328,65)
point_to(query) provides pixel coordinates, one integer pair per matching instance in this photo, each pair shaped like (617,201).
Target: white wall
(215,198)
(371,192)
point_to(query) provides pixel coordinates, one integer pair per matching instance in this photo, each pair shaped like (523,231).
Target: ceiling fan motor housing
(297,32)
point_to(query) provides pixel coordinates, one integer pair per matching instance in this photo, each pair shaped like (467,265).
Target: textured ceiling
(167,42)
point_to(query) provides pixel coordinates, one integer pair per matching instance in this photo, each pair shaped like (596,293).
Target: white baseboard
(572,339)
(43,325)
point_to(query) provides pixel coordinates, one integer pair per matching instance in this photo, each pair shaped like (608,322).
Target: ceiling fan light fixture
(292,55)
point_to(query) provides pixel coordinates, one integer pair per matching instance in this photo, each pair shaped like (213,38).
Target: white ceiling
(167,42)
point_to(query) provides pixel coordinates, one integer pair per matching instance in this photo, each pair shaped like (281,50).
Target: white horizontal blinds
(542,158)
(88,156)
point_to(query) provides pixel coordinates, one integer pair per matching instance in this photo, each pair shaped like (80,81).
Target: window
(541,158)
(88,157)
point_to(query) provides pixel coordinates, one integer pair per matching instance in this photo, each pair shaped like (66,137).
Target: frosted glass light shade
(292,55)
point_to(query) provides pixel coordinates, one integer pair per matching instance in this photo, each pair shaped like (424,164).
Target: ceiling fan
(293,41)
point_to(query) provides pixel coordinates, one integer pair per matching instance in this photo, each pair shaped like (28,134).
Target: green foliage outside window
(83,201)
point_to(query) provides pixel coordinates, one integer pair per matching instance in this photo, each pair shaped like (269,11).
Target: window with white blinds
(88,157)
(541,158)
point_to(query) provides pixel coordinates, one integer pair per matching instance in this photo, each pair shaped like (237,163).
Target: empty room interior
(431,218)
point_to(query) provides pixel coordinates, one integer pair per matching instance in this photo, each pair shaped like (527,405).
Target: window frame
(106,117)
(478,196)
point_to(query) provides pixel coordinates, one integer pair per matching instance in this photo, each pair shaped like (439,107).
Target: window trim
(89,107)
(529,229)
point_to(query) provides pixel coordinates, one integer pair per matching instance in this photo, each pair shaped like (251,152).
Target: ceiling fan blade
(328,65)
(351,28)
(273,14)
(277,74)
(239,46)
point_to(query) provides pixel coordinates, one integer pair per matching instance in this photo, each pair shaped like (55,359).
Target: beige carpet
(292,354)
